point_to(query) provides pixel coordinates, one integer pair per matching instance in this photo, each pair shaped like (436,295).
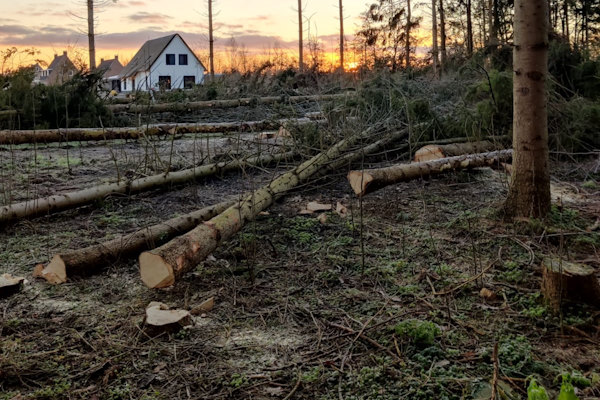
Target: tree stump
(563,280)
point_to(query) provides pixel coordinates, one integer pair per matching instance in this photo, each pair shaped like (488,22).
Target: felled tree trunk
(367,181)
(96,134)
(567,281)
(162,266)
(202,105)
(94,259)
(61,202)
(437,151)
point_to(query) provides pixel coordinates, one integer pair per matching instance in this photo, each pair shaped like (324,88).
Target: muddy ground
(383,303)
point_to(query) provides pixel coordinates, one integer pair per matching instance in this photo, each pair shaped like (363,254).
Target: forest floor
(384,303)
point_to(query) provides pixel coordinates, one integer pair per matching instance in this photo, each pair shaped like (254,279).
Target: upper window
(170,59)
(183,59)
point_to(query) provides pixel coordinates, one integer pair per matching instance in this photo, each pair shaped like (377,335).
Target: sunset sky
(122,27)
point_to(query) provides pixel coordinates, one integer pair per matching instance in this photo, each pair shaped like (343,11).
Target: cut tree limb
(163,266)
(367,181)
(61,202)
(203,105)
(437,151)
(567,281)
(93,259)
(98,134)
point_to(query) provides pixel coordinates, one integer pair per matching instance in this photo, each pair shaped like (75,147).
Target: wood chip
(204,307)
(315,206)
(341,210)
(322,218)
(487,294)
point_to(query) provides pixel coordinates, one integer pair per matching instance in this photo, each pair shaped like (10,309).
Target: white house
(163,64)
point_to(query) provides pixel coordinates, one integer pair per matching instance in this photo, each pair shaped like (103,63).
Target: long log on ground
(8,113)
(202,105)
(367,181)
(437,151)
(162,266)
(61,202)
(97,134)
(93,259)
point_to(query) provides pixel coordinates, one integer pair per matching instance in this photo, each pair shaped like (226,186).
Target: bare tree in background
(341,36)
(300,33)
(211,40)
(408,27)
(444,54)
(92,5)
(434,39)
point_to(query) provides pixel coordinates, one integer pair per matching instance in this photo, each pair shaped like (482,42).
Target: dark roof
(59,60)
(149,53)
(61,70)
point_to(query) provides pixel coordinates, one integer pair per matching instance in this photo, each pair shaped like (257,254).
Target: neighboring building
(60,70)
(163,64)
(110,73)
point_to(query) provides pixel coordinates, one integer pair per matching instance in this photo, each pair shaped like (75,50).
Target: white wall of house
(146,80)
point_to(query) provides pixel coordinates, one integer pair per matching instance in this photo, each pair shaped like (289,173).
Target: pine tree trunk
(437,151)
(408,29)
(61,202)
(91,36)
(211,41)
(341,36)
(469,30)
(434,39)
(300,39)
(443,35)
(94,259)
(163,266)
(367,181)
(529,193)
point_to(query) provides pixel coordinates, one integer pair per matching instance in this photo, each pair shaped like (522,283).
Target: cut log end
(155,272)
(567,281)
(55,272)
(10,285)
(428,153)
(359,180)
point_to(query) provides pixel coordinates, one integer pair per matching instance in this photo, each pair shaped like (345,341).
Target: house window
(132,83)
(189,82)
(183,59)
(164,82)
(124,84)
(170,59)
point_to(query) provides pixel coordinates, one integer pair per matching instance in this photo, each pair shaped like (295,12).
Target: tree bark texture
(529,193)
(437,151)
(61,202)
(566,281)
(91,35)
(367,181)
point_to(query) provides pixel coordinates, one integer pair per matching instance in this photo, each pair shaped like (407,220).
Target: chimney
(101,60)
(117,57)
(55,55)
(64,53)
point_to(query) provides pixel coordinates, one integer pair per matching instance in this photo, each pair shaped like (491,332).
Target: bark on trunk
(529,193)
(566,281)
(94,259)
(341,35)
(163,266)
(437,151)
(211,41)
(408,28)
(434,40)
(469,30)
(61,202)
(202,105)
(91,36)
(300,42)
(97,134)
(443,35)
(367,181)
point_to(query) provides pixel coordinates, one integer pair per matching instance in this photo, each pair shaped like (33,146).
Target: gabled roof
(111,67)
(61,69)
(149,53)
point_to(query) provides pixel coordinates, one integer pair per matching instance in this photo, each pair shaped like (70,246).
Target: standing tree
(211,41)
(444,54)
(434,39)
(300,33)
(529,193)
(407,38)
(341,36)
(91,37)
(469,29)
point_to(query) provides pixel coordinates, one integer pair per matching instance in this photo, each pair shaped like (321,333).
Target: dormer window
(170,59)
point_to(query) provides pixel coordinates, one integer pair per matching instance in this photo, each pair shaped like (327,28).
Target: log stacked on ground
(367,181)
(202,105)
(97,134)
(162,266)
(93,259)
(437,151)
(7,113)
(61,202)
(564,281)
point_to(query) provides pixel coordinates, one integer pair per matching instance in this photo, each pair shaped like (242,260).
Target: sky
(122,27)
